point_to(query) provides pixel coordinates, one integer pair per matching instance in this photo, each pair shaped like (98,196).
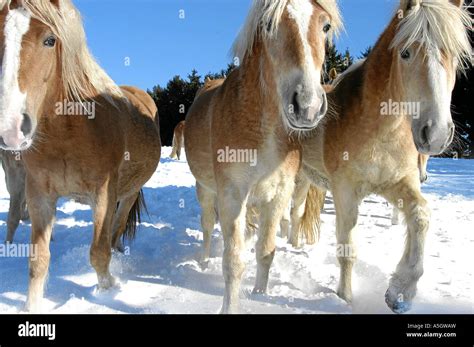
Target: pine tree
(365,54)
(336,60)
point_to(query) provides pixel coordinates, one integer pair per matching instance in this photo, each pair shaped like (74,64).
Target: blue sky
(158,44)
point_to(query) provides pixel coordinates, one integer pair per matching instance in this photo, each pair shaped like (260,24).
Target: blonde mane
(268,14)
(82,76)
(438,25)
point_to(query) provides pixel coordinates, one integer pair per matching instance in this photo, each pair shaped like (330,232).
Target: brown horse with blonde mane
(82,136)
(239,132)
(385,111)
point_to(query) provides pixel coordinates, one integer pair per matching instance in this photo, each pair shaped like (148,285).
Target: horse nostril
(26,125)
(295,104)
(2,143)
(425,134)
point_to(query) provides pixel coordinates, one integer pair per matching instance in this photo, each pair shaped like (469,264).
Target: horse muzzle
(306,118)
(19,137)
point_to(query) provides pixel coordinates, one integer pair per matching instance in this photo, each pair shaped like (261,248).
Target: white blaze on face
(301,11)
(12,100)
(439,85)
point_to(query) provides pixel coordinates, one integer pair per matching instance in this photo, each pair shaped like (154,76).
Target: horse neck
(380,81)
(52,111)
(256,75)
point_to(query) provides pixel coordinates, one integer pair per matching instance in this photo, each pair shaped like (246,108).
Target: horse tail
(310,224)
(135,217)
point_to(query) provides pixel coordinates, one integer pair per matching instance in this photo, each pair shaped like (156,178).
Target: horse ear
(407,5)
(55,3)
(333,74)
(457,3)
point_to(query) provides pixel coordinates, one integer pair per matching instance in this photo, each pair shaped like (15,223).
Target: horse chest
(379,169)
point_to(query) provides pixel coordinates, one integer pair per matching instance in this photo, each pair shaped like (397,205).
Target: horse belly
(197,144)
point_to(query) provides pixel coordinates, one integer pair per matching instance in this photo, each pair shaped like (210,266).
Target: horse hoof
(107,283)
(344,296)
(398,307)
(204,264)
(259,291)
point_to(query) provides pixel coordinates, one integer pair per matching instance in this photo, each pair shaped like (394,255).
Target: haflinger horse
(15,177)
(257,112)
(178,140)
(364,148)
(308,204)
(82,136)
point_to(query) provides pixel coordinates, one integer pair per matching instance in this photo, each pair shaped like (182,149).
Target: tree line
(175,99)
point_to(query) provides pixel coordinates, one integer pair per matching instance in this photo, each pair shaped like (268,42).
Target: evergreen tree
(463,110)
(336,60)
(365,53)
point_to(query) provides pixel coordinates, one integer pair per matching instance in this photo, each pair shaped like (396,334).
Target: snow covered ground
(161,275)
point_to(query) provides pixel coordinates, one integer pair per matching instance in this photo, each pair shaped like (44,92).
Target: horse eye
(405,55)
(50,41)
(326,28)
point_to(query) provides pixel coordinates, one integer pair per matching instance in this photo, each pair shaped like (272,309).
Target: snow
(159,272)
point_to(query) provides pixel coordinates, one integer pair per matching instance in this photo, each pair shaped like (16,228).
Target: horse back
(141,100)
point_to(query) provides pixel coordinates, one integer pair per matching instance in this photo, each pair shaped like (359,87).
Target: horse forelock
(437,25)
(82,77)
(268,14)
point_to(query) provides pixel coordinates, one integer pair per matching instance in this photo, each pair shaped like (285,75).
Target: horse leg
(100,252)
(42,212)
(232,202)
(346,203)
(14,216)
(120,221)
(24,215)
(299,199)
(173,148)
(403,284)
(285,222)
(180,146)
(270,217)
(15,178)
(396,216)
(207,200)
